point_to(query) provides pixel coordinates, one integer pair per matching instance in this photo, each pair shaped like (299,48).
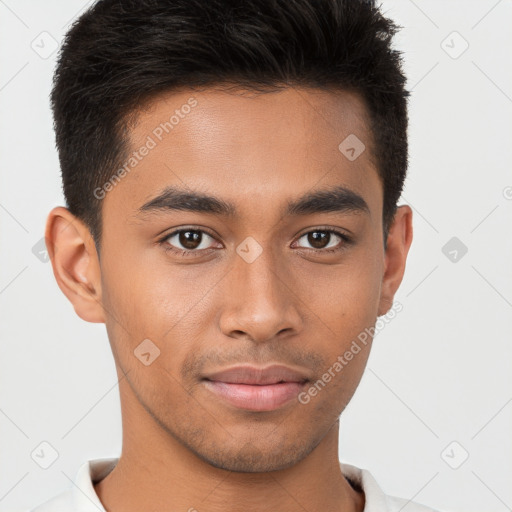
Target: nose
(259,300)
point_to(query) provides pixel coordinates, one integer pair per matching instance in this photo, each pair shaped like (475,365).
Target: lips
(252,375)
(257,389)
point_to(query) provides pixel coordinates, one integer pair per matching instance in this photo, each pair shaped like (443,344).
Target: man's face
(260,285)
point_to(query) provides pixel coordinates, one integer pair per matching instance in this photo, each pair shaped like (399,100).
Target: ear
(399,241)
(75,263)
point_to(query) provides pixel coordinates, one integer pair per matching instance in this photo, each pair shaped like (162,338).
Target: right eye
(187,241)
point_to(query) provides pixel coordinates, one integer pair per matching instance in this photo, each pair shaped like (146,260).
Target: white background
(439,372)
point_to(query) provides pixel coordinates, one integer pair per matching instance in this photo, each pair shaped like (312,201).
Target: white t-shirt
(82,497)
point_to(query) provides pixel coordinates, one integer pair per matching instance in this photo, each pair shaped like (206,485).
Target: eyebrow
(337,199)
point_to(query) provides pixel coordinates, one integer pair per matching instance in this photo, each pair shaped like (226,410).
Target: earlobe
(398,244)
(75,263)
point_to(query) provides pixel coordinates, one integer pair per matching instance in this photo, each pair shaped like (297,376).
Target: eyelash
(188,252)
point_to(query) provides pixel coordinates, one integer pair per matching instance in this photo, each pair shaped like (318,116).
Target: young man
(231,172)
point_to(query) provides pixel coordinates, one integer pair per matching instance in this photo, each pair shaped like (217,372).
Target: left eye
(323,239)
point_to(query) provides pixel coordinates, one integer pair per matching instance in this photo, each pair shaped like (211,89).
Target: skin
(184,447)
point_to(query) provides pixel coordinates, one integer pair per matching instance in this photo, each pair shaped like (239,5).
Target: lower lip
(254,397)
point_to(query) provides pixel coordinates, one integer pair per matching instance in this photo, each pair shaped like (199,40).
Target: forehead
(250,149)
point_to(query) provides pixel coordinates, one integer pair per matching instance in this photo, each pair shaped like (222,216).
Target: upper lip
(259,376)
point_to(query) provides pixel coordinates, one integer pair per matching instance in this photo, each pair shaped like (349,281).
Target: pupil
(318,239)
(190,239)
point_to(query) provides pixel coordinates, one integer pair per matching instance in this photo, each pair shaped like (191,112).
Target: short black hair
(121,53)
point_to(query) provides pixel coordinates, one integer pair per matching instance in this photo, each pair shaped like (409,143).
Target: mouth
(257,389)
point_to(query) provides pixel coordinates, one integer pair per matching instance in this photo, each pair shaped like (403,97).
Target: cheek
(344,299)
(344,296)
(148,294)
(145,301)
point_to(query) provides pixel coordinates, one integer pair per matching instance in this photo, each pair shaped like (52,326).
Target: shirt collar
(85,498)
